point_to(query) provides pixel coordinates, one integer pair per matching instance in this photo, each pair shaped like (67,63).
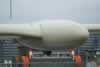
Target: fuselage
(49,34)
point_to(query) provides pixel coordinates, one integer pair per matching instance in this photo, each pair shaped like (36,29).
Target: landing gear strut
(48,53)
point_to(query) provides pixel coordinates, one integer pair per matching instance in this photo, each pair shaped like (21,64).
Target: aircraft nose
(63,34)
(83,34)
(79,37)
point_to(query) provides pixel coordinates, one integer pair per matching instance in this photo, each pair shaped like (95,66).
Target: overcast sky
(83,11)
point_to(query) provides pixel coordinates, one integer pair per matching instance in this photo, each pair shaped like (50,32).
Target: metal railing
(41,64)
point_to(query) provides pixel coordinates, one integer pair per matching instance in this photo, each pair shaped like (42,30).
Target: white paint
(56,34)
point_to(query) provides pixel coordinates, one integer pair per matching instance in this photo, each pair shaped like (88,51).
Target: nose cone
(80,36)
(77,36)
(83,34)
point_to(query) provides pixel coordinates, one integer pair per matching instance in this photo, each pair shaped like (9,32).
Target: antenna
(10,9)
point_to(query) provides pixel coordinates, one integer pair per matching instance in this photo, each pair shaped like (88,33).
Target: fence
(42,64)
